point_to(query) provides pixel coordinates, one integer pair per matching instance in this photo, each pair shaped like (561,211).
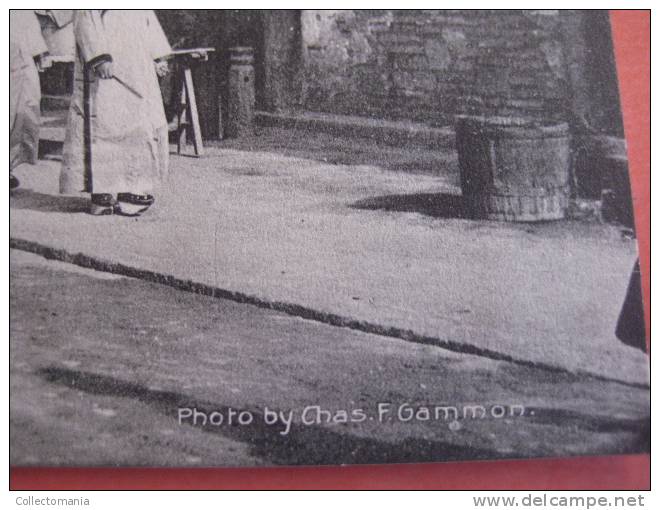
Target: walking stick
(87,127)
(87,122)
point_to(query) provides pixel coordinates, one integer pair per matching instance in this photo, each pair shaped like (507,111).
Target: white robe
(25,43)
(57,29)
(129,134)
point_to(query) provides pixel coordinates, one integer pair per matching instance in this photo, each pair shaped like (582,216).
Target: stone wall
(430,65)
(424,66)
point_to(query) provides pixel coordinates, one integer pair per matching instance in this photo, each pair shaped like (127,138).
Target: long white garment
(129,133)
(25,43)
(57,29)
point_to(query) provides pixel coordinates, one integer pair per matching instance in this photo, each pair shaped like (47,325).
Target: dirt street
(104,370)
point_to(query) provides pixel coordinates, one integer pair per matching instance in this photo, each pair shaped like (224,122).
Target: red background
(632,34)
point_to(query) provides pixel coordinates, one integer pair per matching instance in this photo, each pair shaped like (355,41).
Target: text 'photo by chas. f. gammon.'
(302,237)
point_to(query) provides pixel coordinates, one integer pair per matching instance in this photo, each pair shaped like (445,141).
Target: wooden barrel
(512,169)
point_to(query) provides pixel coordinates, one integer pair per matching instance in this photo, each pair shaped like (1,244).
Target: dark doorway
(275,36)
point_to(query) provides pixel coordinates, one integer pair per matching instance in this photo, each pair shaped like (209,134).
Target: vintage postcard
(306,237)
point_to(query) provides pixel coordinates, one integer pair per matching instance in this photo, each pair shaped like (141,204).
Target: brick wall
(417,65)
(429,65)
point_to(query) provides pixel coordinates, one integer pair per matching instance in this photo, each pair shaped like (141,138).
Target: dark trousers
(630,327)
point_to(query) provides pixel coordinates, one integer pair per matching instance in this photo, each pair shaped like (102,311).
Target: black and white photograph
(248,238)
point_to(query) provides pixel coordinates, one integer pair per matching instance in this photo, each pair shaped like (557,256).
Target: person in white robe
(57,29)
(124,51)
(27,55)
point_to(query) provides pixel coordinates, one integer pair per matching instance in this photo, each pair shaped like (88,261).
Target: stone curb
(398,134)
(90,262)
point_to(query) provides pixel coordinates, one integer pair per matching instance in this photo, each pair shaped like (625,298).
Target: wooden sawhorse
(187,115)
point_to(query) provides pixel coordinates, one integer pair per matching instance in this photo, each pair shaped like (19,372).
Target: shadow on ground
(313,444)
(436,205)
(599,424)
(42,202)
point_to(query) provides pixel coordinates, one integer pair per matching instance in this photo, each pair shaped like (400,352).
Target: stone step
(396,133)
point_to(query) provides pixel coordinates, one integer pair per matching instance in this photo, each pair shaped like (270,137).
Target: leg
(192,108)
(182,125)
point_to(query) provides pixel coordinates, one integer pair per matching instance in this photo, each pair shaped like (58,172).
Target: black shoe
(103,204)
(13,182)
(130,204)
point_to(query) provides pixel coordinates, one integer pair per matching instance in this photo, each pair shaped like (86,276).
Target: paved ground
(361,245)
(100,366)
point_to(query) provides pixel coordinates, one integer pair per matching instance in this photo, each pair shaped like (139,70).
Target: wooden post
(87,127)
(182,121)
(192,110)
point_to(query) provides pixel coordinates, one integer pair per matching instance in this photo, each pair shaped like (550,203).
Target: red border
(632,35)
(632,38)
